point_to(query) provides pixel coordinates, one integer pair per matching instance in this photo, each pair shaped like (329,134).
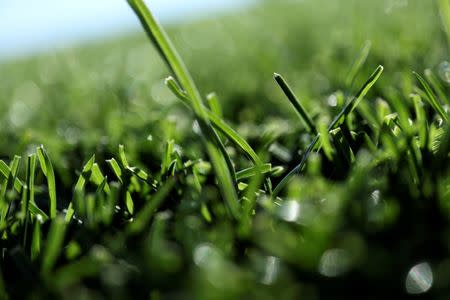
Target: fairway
(286,150)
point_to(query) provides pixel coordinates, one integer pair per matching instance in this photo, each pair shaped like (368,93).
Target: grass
(196,194)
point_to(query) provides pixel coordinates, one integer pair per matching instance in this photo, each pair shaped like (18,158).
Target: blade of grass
(219,124)
(421,120)
(437,106)
(97,177)
(144,216)
(434,82)
(81,182)
(340,118)
(115,168)
(221,163)
(252,171)
(296,103)
(214,104)
(31,168)
(8,184)
(47,169)
(4,171)
(36,240)
(54,244)
(353,103)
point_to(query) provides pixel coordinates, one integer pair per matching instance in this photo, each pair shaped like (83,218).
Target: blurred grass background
(91,98)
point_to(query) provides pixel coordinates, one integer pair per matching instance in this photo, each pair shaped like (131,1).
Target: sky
(30,26)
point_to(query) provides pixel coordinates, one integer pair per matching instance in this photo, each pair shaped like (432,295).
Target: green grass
(177,168)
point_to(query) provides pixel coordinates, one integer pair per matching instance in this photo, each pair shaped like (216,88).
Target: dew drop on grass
(290,211)
(205,255)
(302,213)
(334,262)
(444,71)
(419,279)
(332,100)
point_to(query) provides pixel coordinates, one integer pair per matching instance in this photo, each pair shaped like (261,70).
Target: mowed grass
(178,166)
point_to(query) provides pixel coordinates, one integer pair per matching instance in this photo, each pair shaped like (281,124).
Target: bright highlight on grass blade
(47,169)
(437,106)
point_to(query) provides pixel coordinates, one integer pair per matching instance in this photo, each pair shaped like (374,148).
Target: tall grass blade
(340,118)
(30,173)
(434,82)
(221,163)
(296,103)
(353,103)
(47,169)
(437,106)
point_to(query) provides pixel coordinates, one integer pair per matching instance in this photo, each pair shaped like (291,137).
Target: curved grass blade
(296,103)
(221,162)
(434,82)
(252,171)
(39,213)
(47,169)
(219,124)
(79,186)
(167,51)
(432,98)
(340,118)
(353,103)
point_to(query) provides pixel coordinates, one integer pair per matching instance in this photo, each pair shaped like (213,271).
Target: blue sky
(28,26)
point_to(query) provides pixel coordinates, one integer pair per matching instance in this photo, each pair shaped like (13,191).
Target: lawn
(295,149)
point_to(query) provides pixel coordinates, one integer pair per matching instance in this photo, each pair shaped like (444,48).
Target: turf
(175,165)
